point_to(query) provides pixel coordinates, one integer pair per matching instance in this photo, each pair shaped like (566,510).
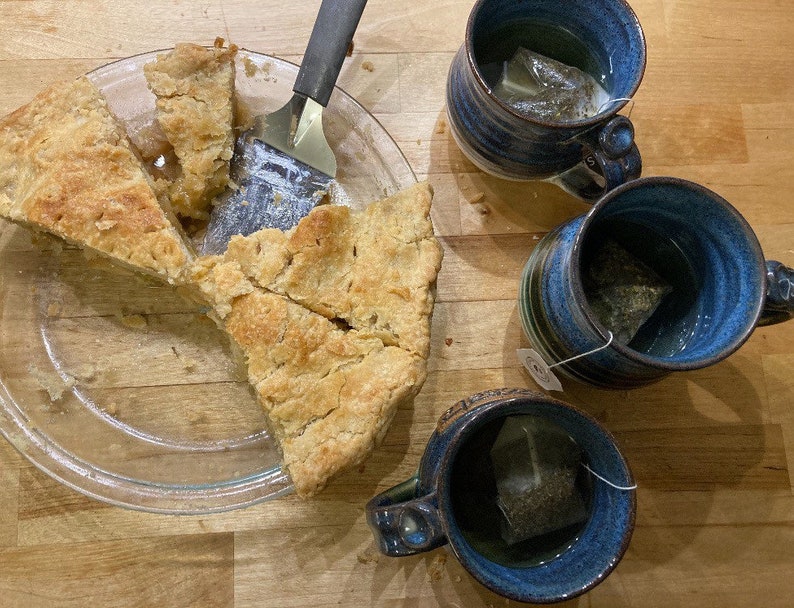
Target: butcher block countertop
(711,450)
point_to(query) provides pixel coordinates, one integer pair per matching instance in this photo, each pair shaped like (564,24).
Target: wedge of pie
(332,319)
(194,86)
(67,168)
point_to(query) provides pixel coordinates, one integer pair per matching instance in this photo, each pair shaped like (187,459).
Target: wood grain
(712,450)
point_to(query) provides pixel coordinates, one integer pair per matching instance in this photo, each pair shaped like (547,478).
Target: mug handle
(779,305)
(609,158)
(404,523)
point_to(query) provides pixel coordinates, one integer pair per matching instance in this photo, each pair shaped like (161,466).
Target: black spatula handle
(333,30)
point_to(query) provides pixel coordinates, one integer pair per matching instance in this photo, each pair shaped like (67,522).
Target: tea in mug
(541,87)
(622,291)
(543,71)
(641,286)
(520,493)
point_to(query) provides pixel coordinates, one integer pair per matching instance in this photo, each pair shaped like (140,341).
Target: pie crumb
(369,556)
(53,309)
(436,568)
(134,321)
(476,198)
(54,383)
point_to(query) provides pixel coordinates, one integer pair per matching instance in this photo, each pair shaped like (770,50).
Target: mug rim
(489,410)
(578,288)
(575,124)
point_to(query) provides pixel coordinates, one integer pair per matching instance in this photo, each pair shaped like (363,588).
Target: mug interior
(603,39)
(704,251)
(556,565)
(483,521)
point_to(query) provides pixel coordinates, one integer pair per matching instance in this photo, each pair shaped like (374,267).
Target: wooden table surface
(711,450)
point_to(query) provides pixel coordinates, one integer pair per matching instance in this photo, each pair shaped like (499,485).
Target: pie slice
(332,319)
(194,86)
(67,168)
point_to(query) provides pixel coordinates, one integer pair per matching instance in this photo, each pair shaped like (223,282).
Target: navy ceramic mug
(585,156)
(719,287)
(450,501)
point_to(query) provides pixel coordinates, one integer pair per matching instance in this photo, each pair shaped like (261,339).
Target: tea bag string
(589,352)
(609,483)
(608,102)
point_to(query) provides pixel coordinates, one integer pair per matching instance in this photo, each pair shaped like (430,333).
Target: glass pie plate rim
(359,138)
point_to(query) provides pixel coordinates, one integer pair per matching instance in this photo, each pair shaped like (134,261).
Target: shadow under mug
(721,287)
(586,156)
(428,510)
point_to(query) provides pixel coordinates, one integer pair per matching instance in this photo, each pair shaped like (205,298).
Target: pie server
(282,166)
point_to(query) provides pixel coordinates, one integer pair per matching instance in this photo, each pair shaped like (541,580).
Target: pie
(67,168)
(194,86)
(331,319)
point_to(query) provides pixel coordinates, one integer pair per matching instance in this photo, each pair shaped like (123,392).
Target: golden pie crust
(333,321)
(67,168)
(194,86)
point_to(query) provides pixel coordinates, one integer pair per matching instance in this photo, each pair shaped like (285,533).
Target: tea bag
(536,464)
(544,88)
(622,291)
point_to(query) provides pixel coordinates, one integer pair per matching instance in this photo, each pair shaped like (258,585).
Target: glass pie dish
(112,383)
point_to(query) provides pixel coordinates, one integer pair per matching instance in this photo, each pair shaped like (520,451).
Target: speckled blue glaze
(507,144)
(427,497)
(728,291)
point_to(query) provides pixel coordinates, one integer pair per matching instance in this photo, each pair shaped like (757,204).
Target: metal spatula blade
(281,174)
(282,166)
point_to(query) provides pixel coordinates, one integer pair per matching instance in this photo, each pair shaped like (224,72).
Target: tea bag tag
(538,369)
(541,371)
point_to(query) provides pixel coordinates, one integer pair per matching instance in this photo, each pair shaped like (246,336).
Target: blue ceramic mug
(719,288)
(585,156)
(451,500)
